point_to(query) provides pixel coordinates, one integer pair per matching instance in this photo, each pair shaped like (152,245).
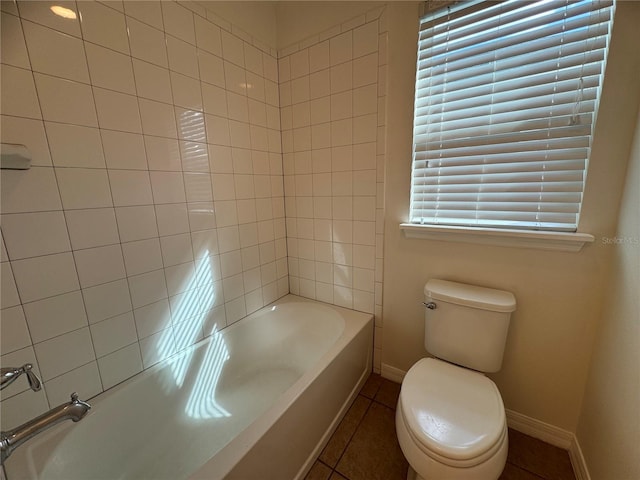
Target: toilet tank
(468,325)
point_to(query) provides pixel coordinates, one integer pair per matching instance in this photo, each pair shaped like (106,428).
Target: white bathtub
(257,400)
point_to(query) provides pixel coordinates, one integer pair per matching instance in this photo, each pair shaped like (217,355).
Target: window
(506,99)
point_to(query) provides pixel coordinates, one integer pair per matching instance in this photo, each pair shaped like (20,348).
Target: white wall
(609,427)
(154,209)
(298,21)
(257,19)
(559,294)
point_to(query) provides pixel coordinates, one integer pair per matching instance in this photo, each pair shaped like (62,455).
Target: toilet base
(490,469)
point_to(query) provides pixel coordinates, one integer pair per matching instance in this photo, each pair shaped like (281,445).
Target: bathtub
(257,400)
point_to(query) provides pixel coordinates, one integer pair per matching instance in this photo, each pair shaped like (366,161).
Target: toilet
(450,418)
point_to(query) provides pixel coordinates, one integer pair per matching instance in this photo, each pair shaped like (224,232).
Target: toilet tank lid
(470,295)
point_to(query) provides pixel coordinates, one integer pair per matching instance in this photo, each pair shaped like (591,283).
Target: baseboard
(392,373)
(577,461)
(529,426)
(537,429)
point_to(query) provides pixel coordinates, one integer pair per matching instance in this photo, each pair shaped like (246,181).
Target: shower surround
(167,146)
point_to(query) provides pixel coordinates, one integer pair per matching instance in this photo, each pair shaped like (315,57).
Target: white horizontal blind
(506,98)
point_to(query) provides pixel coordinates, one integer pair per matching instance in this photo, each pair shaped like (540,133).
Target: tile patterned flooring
(364,446)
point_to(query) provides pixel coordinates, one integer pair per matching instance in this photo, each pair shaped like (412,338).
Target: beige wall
(300,20)
(559,294)
(609,415)
(256,18)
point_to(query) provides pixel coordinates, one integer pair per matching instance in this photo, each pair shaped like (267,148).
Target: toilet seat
(453,415)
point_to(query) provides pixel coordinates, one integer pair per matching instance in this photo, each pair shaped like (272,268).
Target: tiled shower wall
(332,104)
(154,209)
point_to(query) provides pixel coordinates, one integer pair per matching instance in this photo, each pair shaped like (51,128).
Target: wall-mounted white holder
(14,156)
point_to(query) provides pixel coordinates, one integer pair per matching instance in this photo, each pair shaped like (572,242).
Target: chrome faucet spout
(74,410)
(8,375)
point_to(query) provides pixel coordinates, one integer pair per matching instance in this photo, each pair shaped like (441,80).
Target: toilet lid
(451,411)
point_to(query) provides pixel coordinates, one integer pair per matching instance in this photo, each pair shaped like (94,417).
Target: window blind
(506,100)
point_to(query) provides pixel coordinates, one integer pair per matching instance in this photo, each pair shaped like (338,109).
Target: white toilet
(450,418)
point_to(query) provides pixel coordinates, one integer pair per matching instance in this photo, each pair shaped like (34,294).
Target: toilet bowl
(450,423)
(450,419)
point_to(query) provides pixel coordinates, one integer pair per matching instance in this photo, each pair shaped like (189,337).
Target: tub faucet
(12,439)
(10,374)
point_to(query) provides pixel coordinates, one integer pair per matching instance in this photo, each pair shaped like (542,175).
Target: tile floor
(364,446)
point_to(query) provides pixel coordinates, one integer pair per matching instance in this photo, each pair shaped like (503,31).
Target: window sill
(560,241)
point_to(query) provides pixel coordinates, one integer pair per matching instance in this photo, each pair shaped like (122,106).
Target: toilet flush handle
(430,305)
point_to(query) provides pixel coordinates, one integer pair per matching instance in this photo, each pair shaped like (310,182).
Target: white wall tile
(172,219)
(106,300)
(157,119)
(117,111)
(149,12)
(319,56)
(120,365)
(235,78)
(64,353)
(113,334)
(23,407)
(270,65)
(55,316)
(232,49)
(195,156)
(130,187)
(147,43)
(103,26)
(253,59)
(176,249)
(365,39)
(182,57)
(180,278)
(33,234)
(13,49)
(65,101)
(13,329)
(365,70)
(75,146)
(208,36)
(204,243)
(56,53)
(190,124)
(341,48)
(152,318)
(84,380)
(211,69)
(46,276)
(142,256)
(18,93)
(235,310)
(163,153)
(152,81)
(168,187)
(147,288)
(186,91)
(136,223)
(124,150)
(92,228)
(9,291)
(178,21)
(99,265)
(83,188)
(39,12)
